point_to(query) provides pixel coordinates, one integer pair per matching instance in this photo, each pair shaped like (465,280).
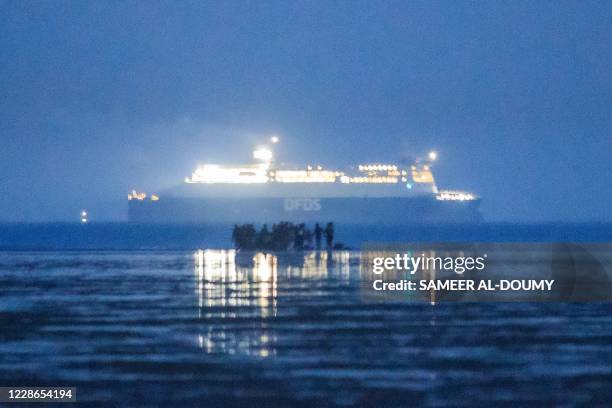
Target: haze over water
(100,98)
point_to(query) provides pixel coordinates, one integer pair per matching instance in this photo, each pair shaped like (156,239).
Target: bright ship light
(274,139)
(212,173)
(263,153)
(433,155)
(448,195)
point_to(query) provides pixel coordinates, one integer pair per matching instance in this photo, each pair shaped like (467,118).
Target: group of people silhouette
(283,236)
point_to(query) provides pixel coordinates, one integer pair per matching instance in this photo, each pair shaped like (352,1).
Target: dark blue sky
(100,97)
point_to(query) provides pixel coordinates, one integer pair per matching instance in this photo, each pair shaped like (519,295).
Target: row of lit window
(210,174)
(305,176)
(377,180)
(390,173)
(376,167)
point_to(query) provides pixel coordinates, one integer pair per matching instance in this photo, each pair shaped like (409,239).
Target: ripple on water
(166,327)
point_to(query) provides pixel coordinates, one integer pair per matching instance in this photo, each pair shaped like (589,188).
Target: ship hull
(353,210)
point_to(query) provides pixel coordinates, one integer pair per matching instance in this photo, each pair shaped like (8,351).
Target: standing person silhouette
(299,237)
(318,231)
(329,235)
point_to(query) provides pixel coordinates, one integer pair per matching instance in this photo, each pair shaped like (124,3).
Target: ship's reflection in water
(239,292)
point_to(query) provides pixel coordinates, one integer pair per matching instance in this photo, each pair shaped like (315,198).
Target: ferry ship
(264,192)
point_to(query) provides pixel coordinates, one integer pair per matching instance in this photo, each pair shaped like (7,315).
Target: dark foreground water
(210,329)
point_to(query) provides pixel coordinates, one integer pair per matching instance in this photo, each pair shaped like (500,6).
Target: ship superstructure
(265,192)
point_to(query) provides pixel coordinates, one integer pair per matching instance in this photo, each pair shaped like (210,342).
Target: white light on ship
(211,173)
(455,196)
(263,154)
(433,155)
(83,216)
(274,139)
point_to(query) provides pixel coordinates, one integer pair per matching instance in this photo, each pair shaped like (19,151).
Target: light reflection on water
(228,286)
(215,328)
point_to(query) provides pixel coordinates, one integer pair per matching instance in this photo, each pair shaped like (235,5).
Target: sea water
(168,315)
(212,327)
